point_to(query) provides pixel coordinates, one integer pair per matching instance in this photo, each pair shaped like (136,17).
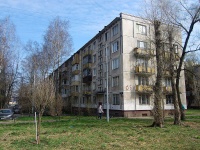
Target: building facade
(125,47)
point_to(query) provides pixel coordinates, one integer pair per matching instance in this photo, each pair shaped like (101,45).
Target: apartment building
(125,47)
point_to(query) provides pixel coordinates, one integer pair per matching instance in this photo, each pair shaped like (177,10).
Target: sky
(86,17)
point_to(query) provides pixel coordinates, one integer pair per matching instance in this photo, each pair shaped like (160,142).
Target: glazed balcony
(145,53)
(75,72)
(87,92)
(88,52)
(87,65)
(144,89)
(141,70)
(74,93)
(76,59)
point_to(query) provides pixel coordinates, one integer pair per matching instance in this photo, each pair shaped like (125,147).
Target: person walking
(100,111)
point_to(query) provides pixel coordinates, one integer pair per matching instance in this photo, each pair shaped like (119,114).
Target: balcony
(87,92)
(144,89)
(75,59)
(75,83)
(74,93)
(100,91)
(167,89)
(87,79)
(145,53)
(140,70)
(87,65)
(75,72)
(64,69)
(88,52)
(166,73)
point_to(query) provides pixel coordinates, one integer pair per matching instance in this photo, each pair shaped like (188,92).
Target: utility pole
(107,110)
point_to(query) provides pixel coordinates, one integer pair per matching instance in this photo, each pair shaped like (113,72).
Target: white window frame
(115,46)
(116,100)
(169,99)
(144,99)
(94,72)
(115,30)
(115,63)
(115,81)
(141,29)
(143,80)
(142,44)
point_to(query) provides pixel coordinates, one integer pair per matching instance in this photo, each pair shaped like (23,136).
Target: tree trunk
(177,114)
(158,113)
(38,128)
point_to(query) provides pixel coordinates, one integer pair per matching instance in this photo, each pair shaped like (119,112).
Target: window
(94,100)
(75,67)
(87,72)
(94,85)
(94,58)
(115,63)
(115,81)
(169,99)
(144,99)
(142,44)
(175,48)
(143,80)
(83,100)
(116,99)
(87,59)
(166,46)
(115,30)
(94,45)
(64,81)
(76,88)
(142,29)
(100,82)
(106,36)
(94,72)
(105,84)
(168,82)
(142,62)
(115,46)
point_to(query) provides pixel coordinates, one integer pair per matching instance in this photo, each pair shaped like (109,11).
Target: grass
(88,133)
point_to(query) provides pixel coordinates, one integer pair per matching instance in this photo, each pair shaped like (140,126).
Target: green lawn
(88,133)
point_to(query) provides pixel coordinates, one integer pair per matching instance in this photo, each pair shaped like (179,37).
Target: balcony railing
(144,70)
(88,52)
(87,92)
(75,83)
(76,59)
(144,52)
(87,65)
(74,93)
(75,72)
(144,89)
(167,89)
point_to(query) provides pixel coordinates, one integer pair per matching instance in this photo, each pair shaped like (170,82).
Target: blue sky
(86,17)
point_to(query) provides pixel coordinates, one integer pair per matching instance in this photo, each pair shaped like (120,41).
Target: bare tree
(57,46)
(192,77)
(189,16)
(43,96)
(8,60)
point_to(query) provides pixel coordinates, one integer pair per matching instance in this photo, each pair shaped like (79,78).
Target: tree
(43,96)
(8,60)
(192,77)
(189,16)
(57,46)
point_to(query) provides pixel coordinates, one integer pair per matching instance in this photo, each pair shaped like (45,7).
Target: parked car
(6,114)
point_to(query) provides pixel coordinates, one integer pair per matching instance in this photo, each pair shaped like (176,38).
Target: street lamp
(107,106)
